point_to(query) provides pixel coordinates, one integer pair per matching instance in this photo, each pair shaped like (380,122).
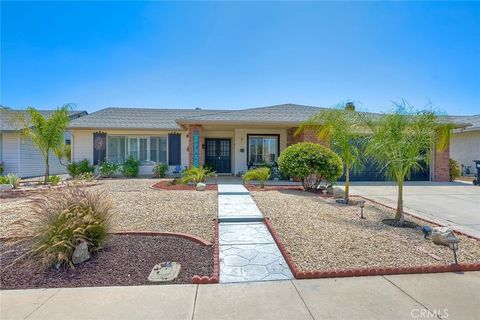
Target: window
(262,149)
(116,149)
(158,149)
(144,149)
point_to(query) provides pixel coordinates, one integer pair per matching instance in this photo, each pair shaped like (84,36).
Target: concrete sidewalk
(447,295)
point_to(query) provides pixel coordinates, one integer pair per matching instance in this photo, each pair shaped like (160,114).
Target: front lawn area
(140,208)
(320,234)
(126,261)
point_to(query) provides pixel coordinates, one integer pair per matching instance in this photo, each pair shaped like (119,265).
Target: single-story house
(465,144)
(19,155)
(228,140)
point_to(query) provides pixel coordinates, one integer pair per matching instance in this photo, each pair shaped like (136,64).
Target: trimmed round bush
(312,163)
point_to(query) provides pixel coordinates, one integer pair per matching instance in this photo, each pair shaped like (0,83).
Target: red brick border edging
(187,236)
(215,277)
(357,272)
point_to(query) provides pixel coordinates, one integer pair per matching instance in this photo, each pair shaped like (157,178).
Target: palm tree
(341,127)
(47,134)
(401,142)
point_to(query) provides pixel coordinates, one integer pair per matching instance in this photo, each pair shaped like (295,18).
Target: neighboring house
(18,154)
(230,141)
(465,144)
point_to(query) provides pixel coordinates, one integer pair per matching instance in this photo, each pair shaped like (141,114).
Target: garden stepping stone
(165,271)
(248,251)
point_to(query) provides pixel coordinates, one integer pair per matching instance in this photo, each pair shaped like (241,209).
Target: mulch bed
(166,185)
(126,261)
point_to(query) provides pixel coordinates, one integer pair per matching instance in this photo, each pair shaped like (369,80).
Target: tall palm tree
(341,127)
(401,142)
(46,133)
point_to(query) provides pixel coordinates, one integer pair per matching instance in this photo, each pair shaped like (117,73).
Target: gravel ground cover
(167,185)
(140,208)
(126,261)
(321,234)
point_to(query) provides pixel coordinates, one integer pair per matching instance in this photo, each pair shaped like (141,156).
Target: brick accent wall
(442,165)
(193,128)
(307,135)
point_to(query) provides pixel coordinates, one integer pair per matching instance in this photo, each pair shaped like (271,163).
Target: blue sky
(234,55)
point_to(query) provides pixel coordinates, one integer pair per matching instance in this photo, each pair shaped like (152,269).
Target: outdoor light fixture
(453,245)
(362,205)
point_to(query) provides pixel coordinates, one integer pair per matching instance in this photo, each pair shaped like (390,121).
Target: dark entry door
(218,155)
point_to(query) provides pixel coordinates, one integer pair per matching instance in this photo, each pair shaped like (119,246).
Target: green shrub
(12,179)
(87,176)
(54,180)
(2,167)
(454,170)
(131,167)
(59,223)
(107,169)
(312,163)
(260,174)
(75,169)
(195,175)
(160,170)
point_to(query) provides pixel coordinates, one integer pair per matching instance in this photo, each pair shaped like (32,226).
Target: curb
(418,217)
(358,272)
(215,277)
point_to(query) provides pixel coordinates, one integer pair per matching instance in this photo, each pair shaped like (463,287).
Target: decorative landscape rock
(81,253)
(165,271)
(338,193)
(5,187)
(441,234)
(201,186)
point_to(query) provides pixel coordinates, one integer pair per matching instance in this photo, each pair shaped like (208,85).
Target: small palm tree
(401,142)
(260,174)
(196,175)
(341,127)
(47,134)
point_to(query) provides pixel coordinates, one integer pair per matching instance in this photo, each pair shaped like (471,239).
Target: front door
(218,155)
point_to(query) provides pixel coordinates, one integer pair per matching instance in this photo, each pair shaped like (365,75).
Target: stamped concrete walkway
(425,296)
(247,249)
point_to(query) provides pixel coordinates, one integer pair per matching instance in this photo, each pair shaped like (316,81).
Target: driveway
(454,204)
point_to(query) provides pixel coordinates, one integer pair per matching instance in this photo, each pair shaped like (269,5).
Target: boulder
(81,253)
(441,234)
(329,189)
(201,186)
(5,187)
(338,193)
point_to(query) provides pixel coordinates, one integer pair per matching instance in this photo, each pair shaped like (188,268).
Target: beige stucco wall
(465,147)
(240,142)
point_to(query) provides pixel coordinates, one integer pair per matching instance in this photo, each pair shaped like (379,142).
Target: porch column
(441,165)
(195,141)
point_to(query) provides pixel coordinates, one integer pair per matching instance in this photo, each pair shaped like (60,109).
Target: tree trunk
(347,182)
(47,169)
(399,214)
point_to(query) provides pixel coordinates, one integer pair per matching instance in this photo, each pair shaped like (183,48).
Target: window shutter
(174,149)
(99,147)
